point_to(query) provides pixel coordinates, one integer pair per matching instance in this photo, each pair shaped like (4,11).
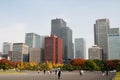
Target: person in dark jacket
(59,74)
(44,71)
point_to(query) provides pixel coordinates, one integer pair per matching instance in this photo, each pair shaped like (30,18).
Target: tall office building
(34,40)
(56,26)
(80,48)
(20,52)
(67,43)
(114,31)
(53,49)
(36,55)
(101,30)
(114,44)
(7,47)
(42,41)
(95,52)
(59,28)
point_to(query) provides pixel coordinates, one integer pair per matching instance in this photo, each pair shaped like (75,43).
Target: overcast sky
(18,17)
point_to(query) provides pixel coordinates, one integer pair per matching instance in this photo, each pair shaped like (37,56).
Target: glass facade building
(114,47)
(80,48)
(34,40)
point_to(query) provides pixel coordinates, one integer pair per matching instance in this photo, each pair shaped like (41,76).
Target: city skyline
(18,17)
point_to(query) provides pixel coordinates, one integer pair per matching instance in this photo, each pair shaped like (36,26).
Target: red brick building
(53,49)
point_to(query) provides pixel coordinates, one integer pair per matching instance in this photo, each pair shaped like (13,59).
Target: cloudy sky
(18,17)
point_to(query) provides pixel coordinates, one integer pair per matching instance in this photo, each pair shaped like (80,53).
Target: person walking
(59,74)
(44,71)
(38,71)
(55,72)
(80,72)
(107,72)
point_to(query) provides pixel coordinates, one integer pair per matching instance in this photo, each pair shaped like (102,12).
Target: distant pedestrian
(59,74)
(81,72)
(44,71)
(55,72)
(103,72)
(107,73)
(50,71)
(38,71)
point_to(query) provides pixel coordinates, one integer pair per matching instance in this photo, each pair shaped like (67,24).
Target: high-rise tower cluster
(58,47)
(60,29)
(107,38)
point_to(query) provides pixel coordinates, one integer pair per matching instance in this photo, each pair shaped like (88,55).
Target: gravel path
(74,75)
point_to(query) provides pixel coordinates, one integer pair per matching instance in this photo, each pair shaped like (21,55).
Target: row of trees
(95,64)
(6,64)
(75,64)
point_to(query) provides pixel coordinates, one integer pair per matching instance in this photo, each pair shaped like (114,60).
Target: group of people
(57,72)
(105,73)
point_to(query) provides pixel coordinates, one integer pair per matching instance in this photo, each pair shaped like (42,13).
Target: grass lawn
(117,76)
(9,72)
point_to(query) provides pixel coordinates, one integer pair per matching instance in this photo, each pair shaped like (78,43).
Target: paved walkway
(65,76)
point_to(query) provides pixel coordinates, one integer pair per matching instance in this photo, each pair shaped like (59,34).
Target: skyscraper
(20,52)
(66,33)
(80,48)
(56,26)
(59,28)
(101,30)
(34,40)
(114,44)
(7,47)
(53,49)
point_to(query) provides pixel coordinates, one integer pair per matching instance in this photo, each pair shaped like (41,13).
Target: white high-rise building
(95,52)
(20,52)
(80,48)
(7,47)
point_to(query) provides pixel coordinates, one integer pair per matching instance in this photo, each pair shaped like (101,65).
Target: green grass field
(117,76)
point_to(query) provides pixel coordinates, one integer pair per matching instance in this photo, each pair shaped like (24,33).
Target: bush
(91,65)
(68,67)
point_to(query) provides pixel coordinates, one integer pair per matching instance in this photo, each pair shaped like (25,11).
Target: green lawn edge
(10,72)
